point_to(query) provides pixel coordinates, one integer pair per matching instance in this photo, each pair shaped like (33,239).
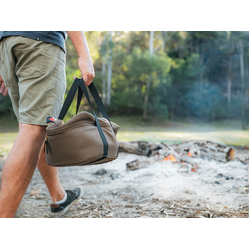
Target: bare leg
(51,179)
(50,176)
(19,167)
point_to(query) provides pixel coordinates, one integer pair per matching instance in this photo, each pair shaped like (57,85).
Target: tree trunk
(104,51)
(151,50)
(229,81)
(172,103)
(164,35)
(242,74)
(104,79)
(200,50)
(109,69)
(146,98)
(151,43)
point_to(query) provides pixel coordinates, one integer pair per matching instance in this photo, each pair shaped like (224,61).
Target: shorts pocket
(31,62)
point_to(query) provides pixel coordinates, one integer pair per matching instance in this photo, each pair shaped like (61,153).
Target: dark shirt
(55,37)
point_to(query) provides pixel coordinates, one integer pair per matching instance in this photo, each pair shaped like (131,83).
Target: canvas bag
(84,139)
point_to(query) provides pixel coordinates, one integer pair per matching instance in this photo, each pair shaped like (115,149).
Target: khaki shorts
(34,73)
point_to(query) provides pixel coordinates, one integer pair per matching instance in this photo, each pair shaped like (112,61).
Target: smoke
(206,102)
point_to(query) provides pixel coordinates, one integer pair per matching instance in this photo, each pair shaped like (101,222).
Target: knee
(36,131)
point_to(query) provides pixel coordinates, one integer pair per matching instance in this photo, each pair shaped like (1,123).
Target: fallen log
(138,148)
(142,147)
(188,159)
(143,163)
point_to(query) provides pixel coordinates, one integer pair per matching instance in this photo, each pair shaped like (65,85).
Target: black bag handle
(68,100)
(80,85)
(96,97)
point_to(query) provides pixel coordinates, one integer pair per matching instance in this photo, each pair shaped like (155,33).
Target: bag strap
(68,100)
(96,97)
(76,84)
(80,85)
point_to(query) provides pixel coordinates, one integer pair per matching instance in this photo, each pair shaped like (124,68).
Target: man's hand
(84,61)
(3,88)
(87,70)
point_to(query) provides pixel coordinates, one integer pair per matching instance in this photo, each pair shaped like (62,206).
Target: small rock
(219,176)
(206,214)
(101,171)
(217,182)
(35,193)
(114,176)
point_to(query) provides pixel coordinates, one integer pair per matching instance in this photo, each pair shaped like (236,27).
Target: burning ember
(194,169)
(169,158)
(188,152)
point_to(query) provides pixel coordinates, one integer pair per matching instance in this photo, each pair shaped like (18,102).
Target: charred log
(185,152)
(143,163)
(142,147)
(207,150)
(138,148)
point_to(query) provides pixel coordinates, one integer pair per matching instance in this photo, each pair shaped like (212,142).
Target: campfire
(185,155)
(169,158)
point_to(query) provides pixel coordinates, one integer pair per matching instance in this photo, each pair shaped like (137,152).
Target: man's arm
(3,89)
(84,58)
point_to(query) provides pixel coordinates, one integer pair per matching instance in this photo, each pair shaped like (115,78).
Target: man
(32,72)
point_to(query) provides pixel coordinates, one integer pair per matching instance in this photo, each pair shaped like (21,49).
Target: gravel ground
(217,190)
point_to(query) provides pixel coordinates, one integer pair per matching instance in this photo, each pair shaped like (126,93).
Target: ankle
(58,196)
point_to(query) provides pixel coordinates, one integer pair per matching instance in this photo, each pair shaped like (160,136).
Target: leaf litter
(217,190)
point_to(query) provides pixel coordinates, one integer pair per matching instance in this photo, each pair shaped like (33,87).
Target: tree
(242,76)
(151,51)
(109,69)
(103,53)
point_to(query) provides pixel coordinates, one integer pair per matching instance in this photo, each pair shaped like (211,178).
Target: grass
(8,133)
(227,132)
(6,142)
(134,128)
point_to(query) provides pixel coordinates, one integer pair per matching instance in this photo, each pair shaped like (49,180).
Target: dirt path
(160,190)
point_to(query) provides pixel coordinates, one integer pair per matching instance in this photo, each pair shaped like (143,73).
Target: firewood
(185,152)
(146,148)
(143,163)
(208,150)
(127,147)
(142,147)
(188,159)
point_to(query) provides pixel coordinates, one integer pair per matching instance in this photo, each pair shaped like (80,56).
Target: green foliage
(189,73)
(130,83)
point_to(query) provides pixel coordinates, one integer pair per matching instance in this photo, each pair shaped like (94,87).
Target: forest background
(152,78)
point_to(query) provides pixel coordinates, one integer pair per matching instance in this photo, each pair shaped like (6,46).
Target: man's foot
(72,197)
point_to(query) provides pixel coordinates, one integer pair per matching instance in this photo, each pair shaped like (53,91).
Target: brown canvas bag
(84,139)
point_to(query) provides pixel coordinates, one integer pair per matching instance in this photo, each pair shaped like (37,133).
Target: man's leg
(19,167)
(50,177)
